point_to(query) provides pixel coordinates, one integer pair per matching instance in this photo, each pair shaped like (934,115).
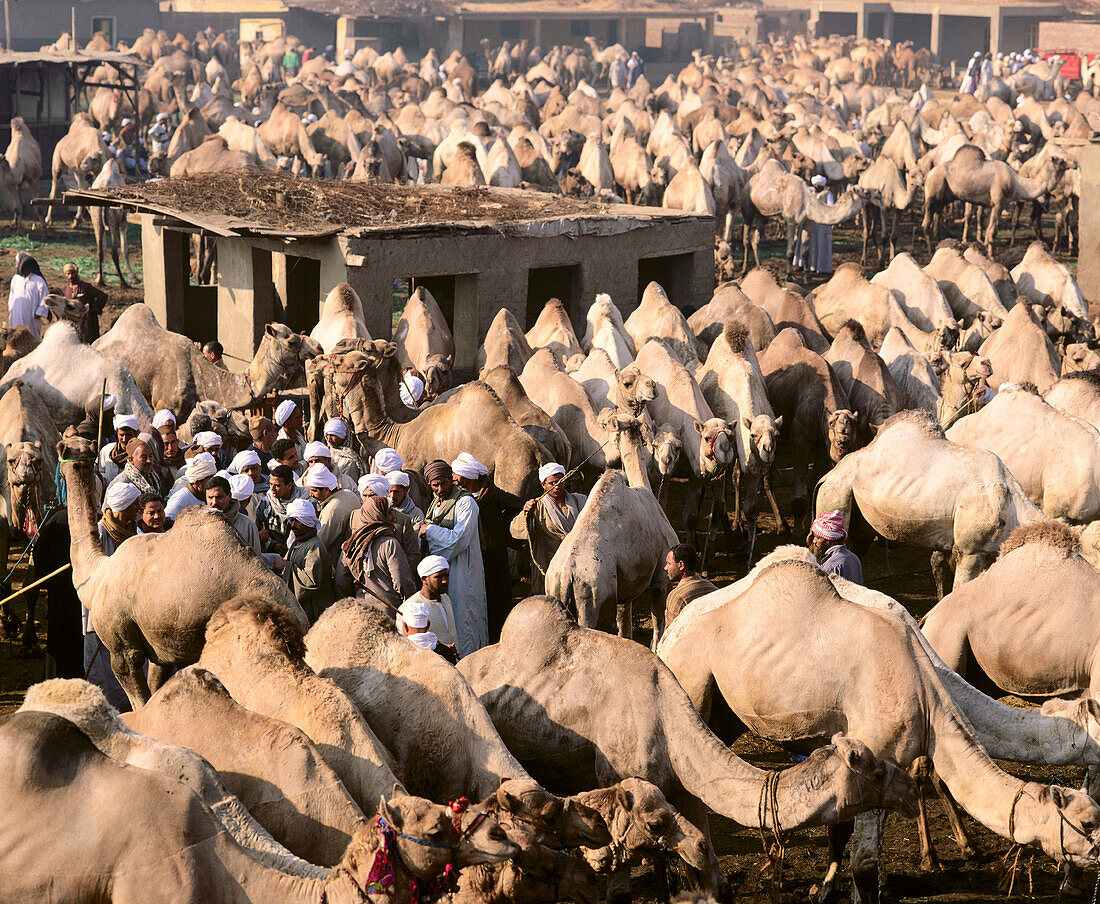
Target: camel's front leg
(839,834)
(780,524)
(991,229)
(116,241)
(792,229)
(624,619)
(53,194)
(966,221)
(746,233)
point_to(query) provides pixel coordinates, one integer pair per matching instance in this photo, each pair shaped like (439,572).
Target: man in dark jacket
(77,289)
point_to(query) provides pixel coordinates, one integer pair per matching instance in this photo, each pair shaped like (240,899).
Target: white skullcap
(376,483)
(317,450)
(241,487)
(386,460)
(1007,386)
(284,411)
(303,510)
(319,476)
(162,417)
(207,438)
(109,402)
(126,420)
(398,479)
(337,428)
(549,470)
(430,565)
(121,496)
(412,389)
(472,462)
(244,459)
(464,469)
(200,466)
(415,615)
(818,180)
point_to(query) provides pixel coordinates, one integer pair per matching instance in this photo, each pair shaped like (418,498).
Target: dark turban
(437,470)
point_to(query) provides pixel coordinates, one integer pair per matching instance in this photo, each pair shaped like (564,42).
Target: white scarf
(425,639)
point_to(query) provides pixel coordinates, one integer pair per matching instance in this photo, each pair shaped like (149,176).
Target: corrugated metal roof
(67,57)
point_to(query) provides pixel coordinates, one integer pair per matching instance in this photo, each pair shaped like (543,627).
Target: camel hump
(272,620)
(1050,533)
(918,417)
(951,244)
(736,335)
(1091,377)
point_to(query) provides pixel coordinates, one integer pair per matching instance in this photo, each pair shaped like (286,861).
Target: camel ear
(269,330)
(1092,708)
(384,810)
(746,423)
(624,799)
(779,422)
(1058,796)
(700,427)
(390,350)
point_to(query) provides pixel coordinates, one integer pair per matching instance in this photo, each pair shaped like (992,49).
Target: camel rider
(346,462)
(680,565)
(545,521)
(289,419)
(451,530)
(151,518)
(112,457)
(160,134)
(335,508)
(141,470)
(221,498)
(372,556)
(198,470)
(115,527)
(264,433)
(826,542)
(496,509)
(306,567)
(407,536)
(271,508)
(247,462)
(77,289)
(319,453)
(435,577)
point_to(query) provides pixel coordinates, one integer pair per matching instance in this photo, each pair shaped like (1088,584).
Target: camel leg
(958,830)
(839,834)
(124,247)
(127,665)
(53,194)
(991,229)
(780,524)
(116,242)
(624,618)
(792,229)
(690,514)
(864,216)
(158,675)
(1036,220)
(866,856)
(1015,222)
(920,773)
(966,221)
(99,230)
(737,515)
(800,492)
(746,232)
(756,246)
(941,572)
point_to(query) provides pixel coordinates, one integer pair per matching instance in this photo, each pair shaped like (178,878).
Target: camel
(257,652)
(341,318)
(538,875)
(17,344)
(1056,458)
(569,406)
(605,329)
(481,427)
(806,393)
(544,662)
(965,284)
(1020,351)
(730,305)
(536,422)
(286,136)
(919,717)
(1078,395)
(504,344)
(84,705)
(189,135)
(29,439)
(891,193)
(60,774)
(212,156)
(82,152)
(424,341)
(657,318)
(965,504)
(998,274)
(774,192)
(172,372)
(915,377)
(143,612)
(615,551)
(69,376)
(733,385)
(270,766)
(20,168)
(849,296)
(785,307)
(554,330)
(918,293)
(866,379)
(628,389)
(1041,278)
(110,223)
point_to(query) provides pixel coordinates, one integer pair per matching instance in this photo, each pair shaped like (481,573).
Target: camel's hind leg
(941,572)
(839,835)
(920,772)
(958,830)
(124,249)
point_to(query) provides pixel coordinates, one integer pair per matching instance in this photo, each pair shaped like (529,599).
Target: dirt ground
(903,574)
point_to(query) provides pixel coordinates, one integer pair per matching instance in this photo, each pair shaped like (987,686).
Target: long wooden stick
(37,583)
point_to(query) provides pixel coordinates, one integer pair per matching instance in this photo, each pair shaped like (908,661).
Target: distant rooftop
(17,58)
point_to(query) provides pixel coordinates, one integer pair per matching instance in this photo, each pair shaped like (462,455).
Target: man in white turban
(112,457)
(412,391)
(335,508)
(319,453)
(545,521)
(163,418)
(288,417)
(198,470)
(247,462)
(346,462)
(377,485)
(434,576)
(306,568)
(400,498)
(386,460)
(415,622)
(208,441)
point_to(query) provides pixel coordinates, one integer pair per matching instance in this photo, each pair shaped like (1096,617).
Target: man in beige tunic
(545,521)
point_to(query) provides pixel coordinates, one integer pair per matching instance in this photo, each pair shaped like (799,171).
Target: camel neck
(85,551)
(631,455)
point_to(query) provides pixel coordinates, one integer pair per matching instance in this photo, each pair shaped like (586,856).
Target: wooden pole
(38,583)
(7,25)
(74,28)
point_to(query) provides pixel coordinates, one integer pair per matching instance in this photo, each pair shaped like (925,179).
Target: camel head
(763,435)
(963,376)
(858,779)
(717,449)
(634,389)
(24,475)
(544,873)
(437,374)
(666,449)
(531,815)
(625,431)
(1063,821)
(1083,713)
(66,309)
(280,355)
(1078,356)
(842,433)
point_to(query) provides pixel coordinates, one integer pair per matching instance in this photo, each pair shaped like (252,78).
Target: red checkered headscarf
(829,526)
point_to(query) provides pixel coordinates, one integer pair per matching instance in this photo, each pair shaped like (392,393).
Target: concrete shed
(283,243)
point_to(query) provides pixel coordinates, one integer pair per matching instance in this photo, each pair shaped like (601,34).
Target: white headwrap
(471,462)
(109,401)
(818,181)
(241,487)
(121,496)
(200,466)
(163,417)
(207,438)
(464,469)
(398,479)
(386,460)
(376,483)
(430,565)
(415,615)
(412,389)
(426,639)
(317,450)
(284,411)
(126,420)
(244,459)
(549,470)
(337,428)
(319,476)
(303,510)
